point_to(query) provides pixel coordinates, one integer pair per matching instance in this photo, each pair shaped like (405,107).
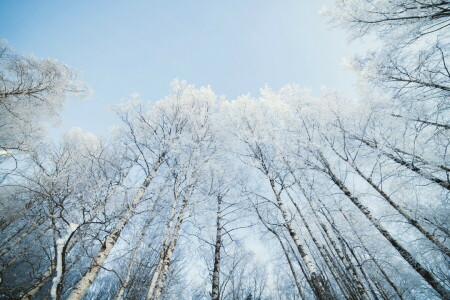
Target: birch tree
(32,91)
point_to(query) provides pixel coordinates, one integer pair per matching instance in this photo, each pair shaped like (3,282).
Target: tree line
(346,198)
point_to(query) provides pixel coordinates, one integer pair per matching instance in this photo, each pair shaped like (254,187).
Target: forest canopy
(283,195)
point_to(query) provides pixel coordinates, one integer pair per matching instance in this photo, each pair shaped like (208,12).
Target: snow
(60,243)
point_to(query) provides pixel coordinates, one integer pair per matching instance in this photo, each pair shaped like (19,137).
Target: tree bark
(410,166)
(410,219)
(215,288)
(86,281)
(168,256)
(164,246)
(123,287)
(319,286)
(285,252)
(427,276)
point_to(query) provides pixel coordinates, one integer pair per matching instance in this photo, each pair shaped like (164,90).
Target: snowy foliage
(282,195)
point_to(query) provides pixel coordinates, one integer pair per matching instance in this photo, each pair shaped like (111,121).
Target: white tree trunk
(120,294)
(61,245)
(86,281)
(215,289)
(158,267)
(427,276)
(170,249)
(21,237)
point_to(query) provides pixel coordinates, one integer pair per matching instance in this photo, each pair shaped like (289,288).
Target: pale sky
(124,47)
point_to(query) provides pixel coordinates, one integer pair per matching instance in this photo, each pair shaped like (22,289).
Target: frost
(60,243)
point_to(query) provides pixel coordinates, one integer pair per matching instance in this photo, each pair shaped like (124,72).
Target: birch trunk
(340,280)
(373,259)
(165,244)
(86,281)
(318,284)
(345,246)
(349,268)
(19,238)
(291,266)
(294,273)
(21,253)
(215,289)
(408,165)
(168,257)
(410,219)
(36,287)
(123,287)
(60,258)
(348,265)
(427,276)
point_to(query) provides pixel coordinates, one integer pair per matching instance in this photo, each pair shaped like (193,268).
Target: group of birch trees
(280,196)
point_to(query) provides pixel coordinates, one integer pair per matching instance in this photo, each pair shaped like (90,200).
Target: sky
(139,46)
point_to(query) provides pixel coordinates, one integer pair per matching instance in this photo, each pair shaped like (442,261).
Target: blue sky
(131,46)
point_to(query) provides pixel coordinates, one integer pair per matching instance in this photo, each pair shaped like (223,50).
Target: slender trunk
(164,246)
(215,292)
(445,126)
(285,252)
(341,281)
(372,258)
(294,273)
(348,265)
(381,290)
(7,240)
(342,253)
(420,159)
(410,166)
(168,257)
(300,264)
(343,286)
(410,219)
(21,253)
(38,285)
(86,281)
(123,287)
(47,273)
(345,245)
(427,276)
(19,238)
(60,258)
(319,286)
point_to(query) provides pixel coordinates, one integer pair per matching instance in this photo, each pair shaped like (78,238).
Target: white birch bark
(291,266)
(47,273)
(158,267)
(319,286)
(431,237)
(168,256)
(86,281)
(426,275)
(21,237)
(121,292)
(215,288)
(61,244)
